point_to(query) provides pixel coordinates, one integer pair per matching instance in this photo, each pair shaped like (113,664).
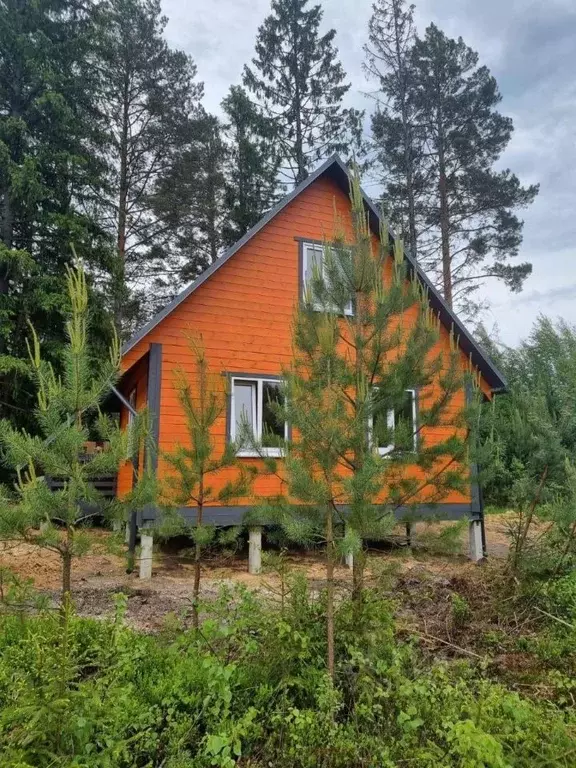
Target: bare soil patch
(99,575)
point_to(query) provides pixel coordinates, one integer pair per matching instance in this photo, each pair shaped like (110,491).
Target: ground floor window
(396,428)
(254,409)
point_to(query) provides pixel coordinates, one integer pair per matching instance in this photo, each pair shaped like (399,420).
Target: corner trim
(154,405)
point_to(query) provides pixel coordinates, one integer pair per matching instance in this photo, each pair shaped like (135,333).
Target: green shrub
(559,597)
(252,690)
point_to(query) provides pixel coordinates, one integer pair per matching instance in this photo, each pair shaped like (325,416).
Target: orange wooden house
(242,306)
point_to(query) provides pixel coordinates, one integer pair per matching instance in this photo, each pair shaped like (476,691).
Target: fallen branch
(426,636)
(556,618)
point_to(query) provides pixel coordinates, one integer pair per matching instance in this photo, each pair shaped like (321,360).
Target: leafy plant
(252,689)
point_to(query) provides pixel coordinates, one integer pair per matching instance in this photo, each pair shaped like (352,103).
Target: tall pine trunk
(407,141)
(330,591)
(409,184)
(299,139)
(120,276)
(444,215)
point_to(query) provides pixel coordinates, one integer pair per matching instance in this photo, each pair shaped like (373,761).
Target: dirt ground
(97,576)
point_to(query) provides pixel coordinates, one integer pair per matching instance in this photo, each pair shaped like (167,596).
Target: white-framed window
(313,257)
(130,422)
(253,405)
(132,403)
(405,413)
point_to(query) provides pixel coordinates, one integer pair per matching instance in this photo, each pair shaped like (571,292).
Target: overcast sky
(530,47)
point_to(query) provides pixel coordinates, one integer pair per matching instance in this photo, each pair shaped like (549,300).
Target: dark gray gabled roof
(335,169)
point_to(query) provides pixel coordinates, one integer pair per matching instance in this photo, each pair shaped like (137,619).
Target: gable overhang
(335,169)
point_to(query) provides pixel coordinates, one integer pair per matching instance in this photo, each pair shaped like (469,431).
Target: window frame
(316,245)
(132,399)
(386,450)
(257,404)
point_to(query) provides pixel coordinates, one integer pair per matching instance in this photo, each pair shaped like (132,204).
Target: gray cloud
(529,46)
(547,298)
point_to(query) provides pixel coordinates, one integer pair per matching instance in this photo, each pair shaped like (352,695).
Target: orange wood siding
(136,378)
(244,314)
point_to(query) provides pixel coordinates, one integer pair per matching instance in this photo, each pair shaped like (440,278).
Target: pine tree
(252,165)
(49,176)
(147,93)
(466,208)
(67,412)
(300,86)
(395,132)
(359,453)
(195,464)
(533,424)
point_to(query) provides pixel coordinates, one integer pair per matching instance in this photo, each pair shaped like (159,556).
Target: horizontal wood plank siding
(136,377)
(244,315)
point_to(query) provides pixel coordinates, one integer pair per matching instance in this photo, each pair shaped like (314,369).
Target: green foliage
(559,597)
(438,135)
(300,85)
(460,610)
(533,425)
(190,200)
(252,165)
(252,690)
(146,99)
(192,466)
(358,454)
(68,408)
(49,175)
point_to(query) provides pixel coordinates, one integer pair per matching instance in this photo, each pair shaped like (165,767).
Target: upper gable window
(254,405)
(313,258)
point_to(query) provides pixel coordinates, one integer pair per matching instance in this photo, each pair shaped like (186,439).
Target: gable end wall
(244,312)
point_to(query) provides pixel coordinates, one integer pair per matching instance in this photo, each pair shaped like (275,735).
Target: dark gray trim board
(154,401)
(235,515)
(337,171)
(477,503)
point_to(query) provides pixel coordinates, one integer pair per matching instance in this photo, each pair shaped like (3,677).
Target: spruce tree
(193,466)
(359,453)
(251,165)
(190,200)
(67,414)
(469,230)
(300,85)
(50,175)
(147,93)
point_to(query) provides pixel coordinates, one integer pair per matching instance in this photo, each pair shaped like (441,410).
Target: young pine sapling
(56,518)
(195,465)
